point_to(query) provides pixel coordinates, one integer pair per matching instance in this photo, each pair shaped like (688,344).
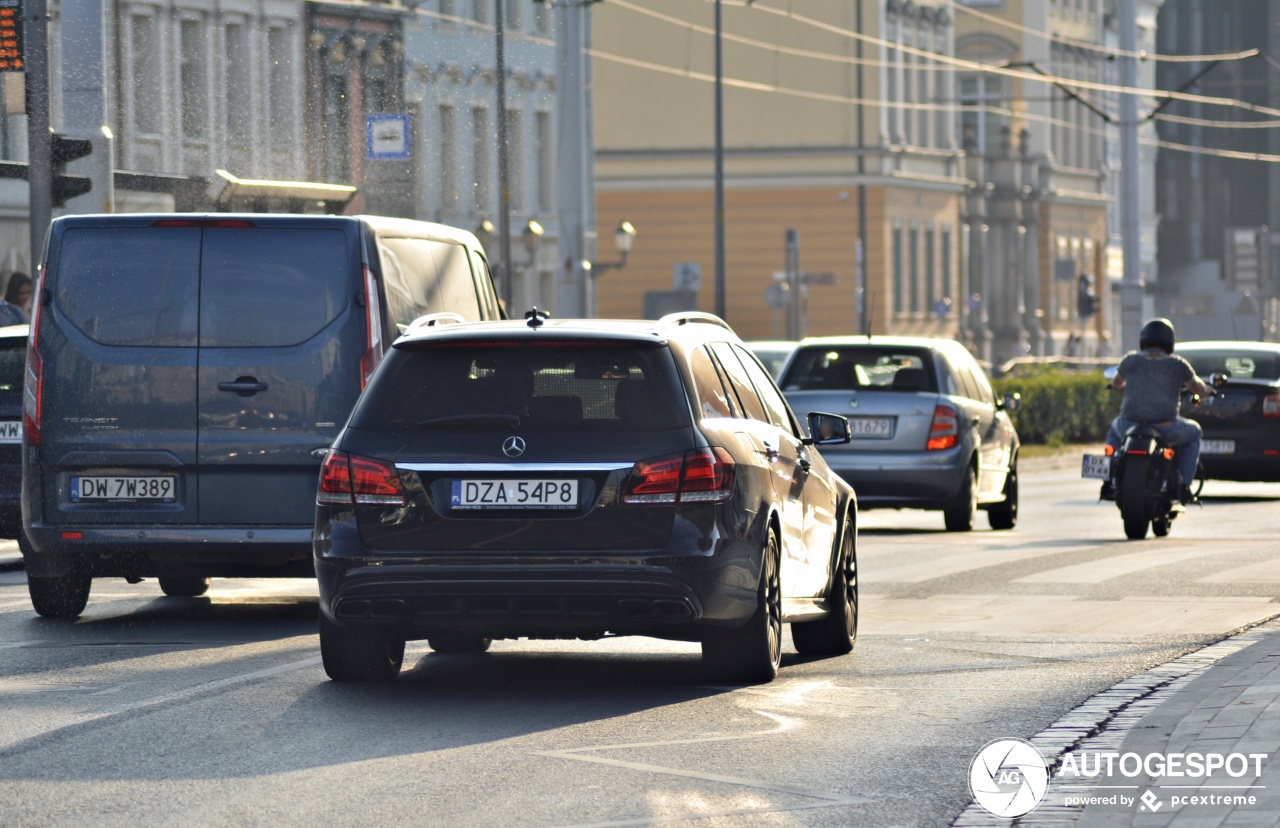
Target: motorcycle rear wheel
(1132,498)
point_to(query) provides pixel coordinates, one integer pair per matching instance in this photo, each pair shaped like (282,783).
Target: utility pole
(571,163)
(504,183)
(793,283)
(1131,289)
(39,141)
(864,294)
(84,99)
(719,174)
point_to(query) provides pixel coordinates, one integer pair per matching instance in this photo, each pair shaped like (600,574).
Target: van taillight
(347,479)
(33,381)
(373,327)
(944,431)
(700,476)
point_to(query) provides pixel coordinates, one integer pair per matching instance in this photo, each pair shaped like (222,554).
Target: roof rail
(685,317)
(431,320)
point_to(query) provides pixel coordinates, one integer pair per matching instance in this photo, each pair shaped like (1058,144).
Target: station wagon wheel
(752,653)
(359,654)
(1004,515)
(958,515)
(184,586)
(835,633)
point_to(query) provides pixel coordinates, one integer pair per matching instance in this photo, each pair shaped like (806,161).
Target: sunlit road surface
(215,711)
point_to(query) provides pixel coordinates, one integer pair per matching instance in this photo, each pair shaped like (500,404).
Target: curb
(1102,722)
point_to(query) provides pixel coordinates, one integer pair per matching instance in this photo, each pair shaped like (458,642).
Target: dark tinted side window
(271,287)
(713,397)
(130,285)
(768,392)
(552,387)
(13,359)
(737,375)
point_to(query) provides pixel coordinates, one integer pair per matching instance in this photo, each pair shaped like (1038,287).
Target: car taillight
(33,383)
(347,479)
(1271,405)
(373,326)
(944,431)
(700,476)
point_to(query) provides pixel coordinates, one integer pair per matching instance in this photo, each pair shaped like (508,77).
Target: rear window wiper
(472,421)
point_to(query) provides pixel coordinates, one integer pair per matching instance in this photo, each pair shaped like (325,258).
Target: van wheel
(370,654)
(752,653)
(184,586)
(958,515)
(458,643)
(835,633)
(63,597)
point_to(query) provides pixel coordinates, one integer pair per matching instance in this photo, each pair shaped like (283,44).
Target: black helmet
(1158,333)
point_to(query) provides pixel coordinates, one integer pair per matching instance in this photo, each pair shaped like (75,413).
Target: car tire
(835,633)
(184,586)
(958,516)
(458,643)
(752,653)
(1004,515)
(63,597)
(370,654)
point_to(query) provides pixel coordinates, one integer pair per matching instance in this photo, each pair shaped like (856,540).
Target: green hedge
(1060,407)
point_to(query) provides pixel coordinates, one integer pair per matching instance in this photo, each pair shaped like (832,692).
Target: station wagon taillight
(348,479)
(1271,405)
(944,431)
(700,476)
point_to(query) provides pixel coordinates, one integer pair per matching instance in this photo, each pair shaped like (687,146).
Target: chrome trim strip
(467,468)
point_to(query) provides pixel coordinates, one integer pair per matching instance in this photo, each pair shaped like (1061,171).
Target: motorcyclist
(1153,379)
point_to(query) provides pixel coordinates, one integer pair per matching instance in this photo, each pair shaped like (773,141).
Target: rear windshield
(13,359)
(842,368)
(1259,365)
(551,387)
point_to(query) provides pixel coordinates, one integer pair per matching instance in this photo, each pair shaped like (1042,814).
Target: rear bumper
(1257,468)
(901,479)
(149,551)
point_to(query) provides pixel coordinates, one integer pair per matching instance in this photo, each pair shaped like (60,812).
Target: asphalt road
(215,711)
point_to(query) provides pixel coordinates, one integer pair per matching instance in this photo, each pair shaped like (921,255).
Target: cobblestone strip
(1102,722)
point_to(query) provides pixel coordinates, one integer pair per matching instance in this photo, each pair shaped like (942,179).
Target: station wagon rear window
(1258,365)
(848,367)
(502,386)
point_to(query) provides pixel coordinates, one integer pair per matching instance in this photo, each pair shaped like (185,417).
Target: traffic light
(63,149)
(1086,299)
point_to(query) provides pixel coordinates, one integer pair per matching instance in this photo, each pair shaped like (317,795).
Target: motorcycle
(1141,477)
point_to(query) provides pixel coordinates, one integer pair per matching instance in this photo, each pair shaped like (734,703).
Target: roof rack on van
(685,317)
(431,320)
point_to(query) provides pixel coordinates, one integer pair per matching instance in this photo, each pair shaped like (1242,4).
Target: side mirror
(1011,402)
(827,429)
(1219,378)
(1111,372)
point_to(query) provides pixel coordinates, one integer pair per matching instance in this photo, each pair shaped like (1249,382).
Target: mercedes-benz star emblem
(853,403)
(513,446)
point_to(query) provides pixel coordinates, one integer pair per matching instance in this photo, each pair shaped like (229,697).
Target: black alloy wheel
(184,586)
(1004,515)
(752,653)
(835,633)
(958,515)
(359,654)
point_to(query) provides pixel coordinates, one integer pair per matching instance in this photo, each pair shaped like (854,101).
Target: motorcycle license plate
(1218,447)
(1097,466)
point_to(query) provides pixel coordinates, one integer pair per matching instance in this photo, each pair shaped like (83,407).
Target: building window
(480,10)
(449,195)
(944,262)
(891,89)
(908,98)
(541,19)
(980,126)
(481,140)
(930,277)
(899,289)
(192,79)
(282,95)
(913,275)
(146,86)
(511,20)
(336,114)
(924,75)
(515,159)
(238,96)
(546,163)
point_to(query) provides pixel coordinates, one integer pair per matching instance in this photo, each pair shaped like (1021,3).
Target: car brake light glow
(944,431)
(1142,452)
(1271,405)
(703,475)
(347,480)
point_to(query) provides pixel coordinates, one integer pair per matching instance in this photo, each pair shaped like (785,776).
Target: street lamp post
(623,238)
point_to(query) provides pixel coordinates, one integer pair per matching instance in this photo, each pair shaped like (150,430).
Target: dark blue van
(187,373)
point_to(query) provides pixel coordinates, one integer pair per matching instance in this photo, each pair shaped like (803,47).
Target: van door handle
(244,386)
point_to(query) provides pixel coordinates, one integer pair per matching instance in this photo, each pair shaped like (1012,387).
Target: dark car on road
(581,479)
(928,431)
(13,357)
(1241,423)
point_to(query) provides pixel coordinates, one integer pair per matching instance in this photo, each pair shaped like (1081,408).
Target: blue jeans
(1180,433)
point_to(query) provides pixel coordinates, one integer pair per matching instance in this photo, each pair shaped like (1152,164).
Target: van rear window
(13,360)
(130,286)
(271,287)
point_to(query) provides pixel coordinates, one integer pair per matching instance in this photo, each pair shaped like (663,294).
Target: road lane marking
(1103,569)
(1263,572)
(926,570)
(15,742)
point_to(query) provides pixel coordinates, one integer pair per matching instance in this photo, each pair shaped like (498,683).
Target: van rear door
(281,338)
(118,411)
